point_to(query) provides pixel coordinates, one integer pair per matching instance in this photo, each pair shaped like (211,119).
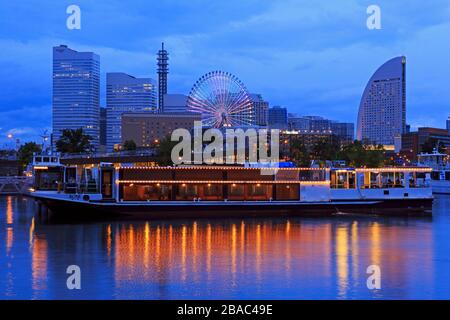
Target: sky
(313,57)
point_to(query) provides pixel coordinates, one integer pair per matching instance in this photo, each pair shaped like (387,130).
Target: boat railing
(411,185)
(76,188)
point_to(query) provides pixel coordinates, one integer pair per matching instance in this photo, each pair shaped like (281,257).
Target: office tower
(163,70)
(76,92)
(448,125)
(382,111)
(260,110)
(317,123)
(102,129)
(125,93)
(175,103)
(298,123)
(277,118)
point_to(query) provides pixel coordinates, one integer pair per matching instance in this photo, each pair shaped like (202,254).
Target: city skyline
(303,74)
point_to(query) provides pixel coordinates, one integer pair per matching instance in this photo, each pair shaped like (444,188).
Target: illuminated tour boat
(143,189)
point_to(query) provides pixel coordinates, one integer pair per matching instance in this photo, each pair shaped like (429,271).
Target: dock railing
(15,185)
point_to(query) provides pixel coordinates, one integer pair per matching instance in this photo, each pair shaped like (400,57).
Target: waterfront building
(319,123)
(125,93)
(382,111)
(163,71)
(344,131)
(277,118)
(296,122)
(175,103)
(260,109)
(147,129)
(76,92)
(411,143)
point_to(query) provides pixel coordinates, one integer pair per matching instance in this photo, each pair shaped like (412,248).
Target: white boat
(440,176)
(86,187)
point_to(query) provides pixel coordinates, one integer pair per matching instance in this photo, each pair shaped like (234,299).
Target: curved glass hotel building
(76,92)
(382,111)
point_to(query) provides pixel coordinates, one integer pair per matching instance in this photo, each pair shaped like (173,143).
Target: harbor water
(270,258)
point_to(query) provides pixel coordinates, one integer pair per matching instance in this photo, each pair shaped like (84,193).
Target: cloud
(26,123)
(311,56)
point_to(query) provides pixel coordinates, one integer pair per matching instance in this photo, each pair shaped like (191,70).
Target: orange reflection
(39,259)
(375,244)
(198,251)
(342,256)
(9,211)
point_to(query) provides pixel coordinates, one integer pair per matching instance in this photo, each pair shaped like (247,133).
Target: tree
(164,151)
(325,150)
(129,145)
(358,154)
(26,151)
(299,154)
(74,141)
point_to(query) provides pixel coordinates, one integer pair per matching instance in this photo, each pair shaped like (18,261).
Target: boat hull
(169,209)
(440,186)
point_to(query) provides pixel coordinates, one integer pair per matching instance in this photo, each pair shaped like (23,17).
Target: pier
(14,185)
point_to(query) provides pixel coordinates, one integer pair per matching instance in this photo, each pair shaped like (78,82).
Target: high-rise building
(382,111)
(76,92)
(277,118)
(163,71)
(125,93)
(298,123)
(103,122)
(260,109)
(175,103)
(448,125)
(317,123)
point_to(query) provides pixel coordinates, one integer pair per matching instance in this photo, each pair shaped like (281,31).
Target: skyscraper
(163,70)
(76,92)
(382,111)
(277,118)
(260,109)
(448,125)
(125,93)
(102,124)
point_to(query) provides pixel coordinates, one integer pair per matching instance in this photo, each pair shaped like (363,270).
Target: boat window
(287,192)
(343,180)
(49,179)
(418,180)
(138,192)
(187,192)
(392,180)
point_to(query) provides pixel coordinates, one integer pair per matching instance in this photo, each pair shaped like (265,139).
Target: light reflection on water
(295,258)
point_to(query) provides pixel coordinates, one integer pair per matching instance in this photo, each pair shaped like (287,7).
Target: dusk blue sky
(313,57)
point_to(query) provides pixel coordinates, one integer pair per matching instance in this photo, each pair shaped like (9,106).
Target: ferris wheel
(222,99)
